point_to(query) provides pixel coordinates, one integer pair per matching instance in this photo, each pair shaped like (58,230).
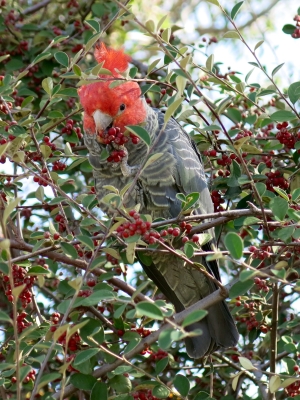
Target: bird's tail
(218,331)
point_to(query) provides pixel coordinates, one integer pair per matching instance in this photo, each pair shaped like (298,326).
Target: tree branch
(203,304)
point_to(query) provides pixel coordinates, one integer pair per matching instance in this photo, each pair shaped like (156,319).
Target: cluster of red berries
(142,332)
(43,179)
(55,318)
(21,322)
(114,135)
(217,200)
(20,278)
(57,31)
(160,354)
(250,320)
(293,389)
(85,293)
(29,377)
(50,144)
(261,253)
(70,126)
(243,134)
(261,284)
(112,260)
(61,221)
(5,106)
(47,235)
(296,33)
(137,226)
(70,102)
(224,160)
(77,47)
(220,172)
(210,153)
(116,156)
(70,359)
(59,166)
(73,3)
(144,395)
(12,17)
(74,340)
(276,179)
(284,136)
(26,212)
(2,3)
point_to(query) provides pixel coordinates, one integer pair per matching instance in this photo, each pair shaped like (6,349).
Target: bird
(112,103)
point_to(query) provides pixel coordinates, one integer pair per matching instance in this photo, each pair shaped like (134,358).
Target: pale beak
(102,121)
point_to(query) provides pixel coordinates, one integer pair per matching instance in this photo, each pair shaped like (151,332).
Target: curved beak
(102,121)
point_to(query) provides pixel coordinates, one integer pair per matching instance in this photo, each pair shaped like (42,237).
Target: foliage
(78,317)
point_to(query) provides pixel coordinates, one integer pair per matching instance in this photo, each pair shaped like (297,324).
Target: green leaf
(96,297)
(275,70)
(149,310)
(9,209)
(69,250)
(4,268)
(204,396)
(161,365)
(119,311)
(235,9)
(92,41)
(246,275)
(288,29)
(62,58)
(282,193)
(279,207)
(283,115)
(153,65)
(47,378)
(93,24)
(188,250)
(295,194)
(191,199)
(215,2)
(70,92)
(83,381)
(285,233)
(24,371)
(87,241)
(234,244)
(85,355)
(121,384)
(294,92)
(182,384)
(47,84)
(172,108)
(99,391)
(41,57)
(26,101)
(38,270)
(160,391)
(258,44)
(231,35)
(210,62)
(5,317)
(240,288)
(165,339)
(140,132)
(195,316)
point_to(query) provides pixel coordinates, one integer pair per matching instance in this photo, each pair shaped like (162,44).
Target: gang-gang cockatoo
(108,109)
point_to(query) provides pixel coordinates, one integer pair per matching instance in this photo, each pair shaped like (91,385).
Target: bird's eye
(122,107)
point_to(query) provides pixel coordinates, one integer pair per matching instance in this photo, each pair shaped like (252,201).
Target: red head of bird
(105,105)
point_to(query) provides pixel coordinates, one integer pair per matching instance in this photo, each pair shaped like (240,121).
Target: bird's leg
(126,169)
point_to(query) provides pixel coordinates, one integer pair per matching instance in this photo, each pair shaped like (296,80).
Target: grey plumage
(179,170)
